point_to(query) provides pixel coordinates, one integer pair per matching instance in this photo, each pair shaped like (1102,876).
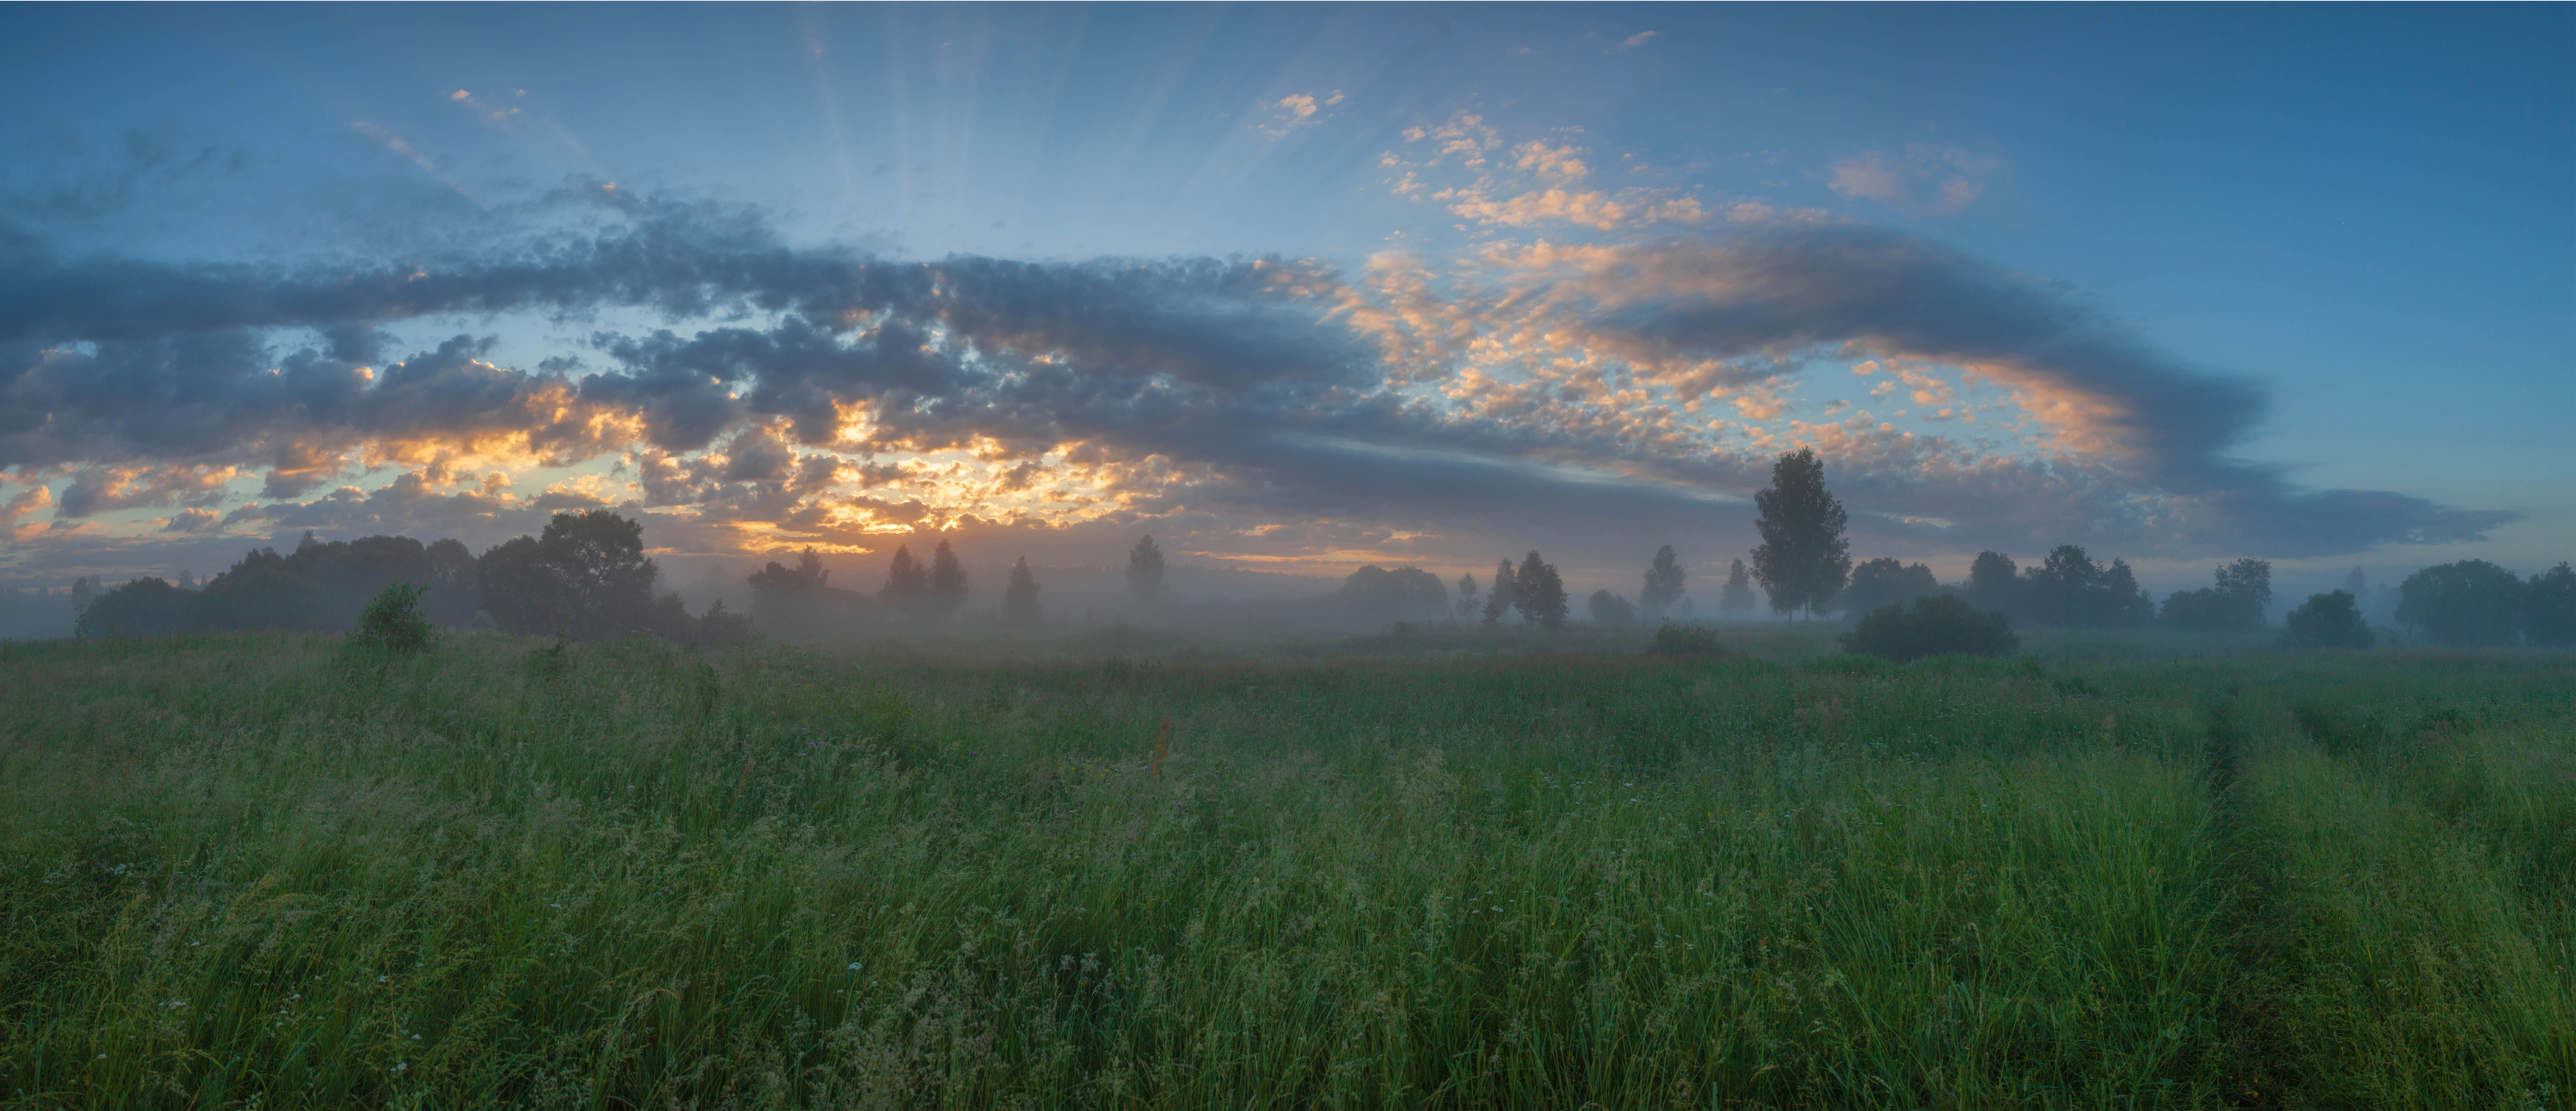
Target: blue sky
(2284,281)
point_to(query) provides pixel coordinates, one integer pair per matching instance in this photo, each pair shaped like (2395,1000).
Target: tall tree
(1020,598)
(1738,597)
(1466,605)
(907,583)
(1498,601)
(1145,570)
(1663,588)
(451,600)
(1539,593)
(1803,558)
(2246,585)
(2355,584)
(2549,608)
(1994,584)
(947,588)
(2123,604)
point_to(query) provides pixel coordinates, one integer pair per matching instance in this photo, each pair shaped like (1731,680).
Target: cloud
(819,395)
(1289,113)
(1631,42)
(1536,185)
(1925,181)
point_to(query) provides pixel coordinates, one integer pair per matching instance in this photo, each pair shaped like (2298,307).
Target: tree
(1377,595)
(2327,620)
(2236,603)
(585,577)
(145,607)
(906,585)
(1145,571)
(793,601)
(2356,584)
(451,597)
(1612,610)
(1738,597)
(1884,582)
(808,576)
(1994,583)
(2471,602)
(1663,587)
(2247,587)
(1466,605)
(2123,604)
(1803,558)
(1539,594)
(1498,601)
(1020,598)
(1940,624)
(2059,589)
(947,588)
(2549,608)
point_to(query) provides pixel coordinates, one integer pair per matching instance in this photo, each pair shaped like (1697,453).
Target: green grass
(1453,869)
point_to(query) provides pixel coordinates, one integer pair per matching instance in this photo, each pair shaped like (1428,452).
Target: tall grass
(293,872)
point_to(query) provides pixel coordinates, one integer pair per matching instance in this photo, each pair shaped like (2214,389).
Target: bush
(2327,621)
(394,621)
(1680,639)
(1938,625)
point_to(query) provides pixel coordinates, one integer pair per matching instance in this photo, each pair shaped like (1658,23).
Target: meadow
(1131,869)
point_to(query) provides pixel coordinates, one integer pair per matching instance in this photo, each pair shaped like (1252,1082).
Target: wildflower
(854,966)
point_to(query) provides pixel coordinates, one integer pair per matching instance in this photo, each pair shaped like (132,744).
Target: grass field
(283,872)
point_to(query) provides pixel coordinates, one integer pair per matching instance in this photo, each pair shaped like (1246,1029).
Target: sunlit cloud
(1288,114)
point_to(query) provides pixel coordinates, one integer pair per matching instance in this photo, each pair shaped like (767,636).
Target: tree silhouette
(1020,598)
(1995,584)
(2549,608)
(2469,602)
(1663,588)
(1498,601)
(2327,620)
(1884,582)
(585,576)
(1738,597)
(1145,570)
(1611,610)
(1466,605)
(907,584)
(947,588)
(1803,558)
(1539,594)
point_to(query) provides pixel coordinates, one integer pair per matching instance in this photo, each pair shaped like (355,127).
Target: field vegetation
(1137,869)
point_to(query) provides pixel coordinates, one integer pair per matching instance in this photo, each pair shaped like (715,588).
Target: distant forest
(586,577)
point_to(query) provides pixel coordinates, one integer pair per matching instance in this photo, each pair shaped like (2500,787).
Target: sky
(1293,288)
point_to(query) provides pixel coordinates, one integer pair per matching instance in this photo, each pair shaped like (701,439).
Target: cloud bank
(1594,393)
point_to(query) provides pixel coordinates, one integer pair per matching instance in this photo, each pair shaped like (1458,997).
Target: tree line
(585,577)
(1804,564)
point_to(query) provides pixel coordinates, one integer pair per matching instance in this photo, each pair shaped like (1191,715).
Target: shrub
(394,621)
(1683,639)
(1938,625)
(2327,621)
